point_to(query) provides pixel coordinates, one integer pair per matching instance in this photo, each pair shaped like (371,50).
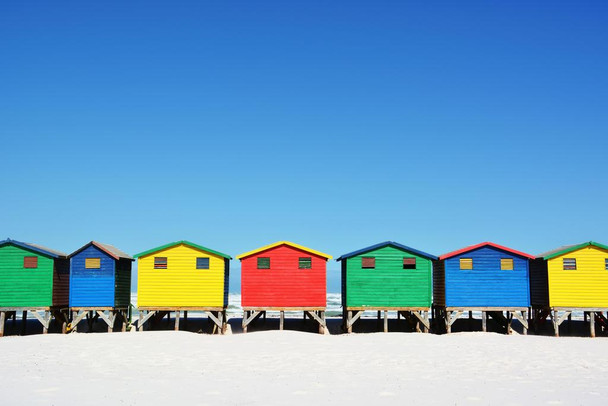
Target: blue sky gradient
(335,125)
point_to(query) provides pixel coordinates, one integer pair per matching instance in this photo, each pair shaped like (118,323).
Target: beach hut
(283,277)
(387,276)
(486,277)
(33,279)
(182,276)
(100,284)
(568,279)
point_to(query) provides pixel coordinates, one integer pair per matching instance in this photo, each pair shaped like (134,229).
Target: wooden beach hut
(100,284)
(568,279)
(486,277)
(179,277)
(284,277)
(387,276)
(33,279)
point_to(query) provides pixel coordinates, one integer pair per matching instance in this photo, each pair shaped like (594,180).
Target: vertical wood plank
(509,319)
(282,320)
(524,315)
(484,321)
(386,321)
(243,323)
(45,328)
(177,316)
(2,320)
(349,325)
(554,318)
(448,325)
(592,324)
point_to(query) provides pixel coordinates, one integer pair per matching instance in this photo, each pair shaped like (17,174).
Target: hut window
(409,263)
(263,263)
(30,262)
(160,262)
(92,263)
(569,264)
(202,263)
(466,263)
(368,262)
(506,264)
(606,263)
(305,262)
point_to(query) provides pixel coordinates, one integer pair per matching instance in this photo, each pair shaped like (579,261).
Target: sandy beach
(295,367)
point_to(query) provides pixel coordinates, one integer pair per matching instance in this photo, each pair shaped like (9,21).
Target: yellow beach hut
(179,277)
(568,279)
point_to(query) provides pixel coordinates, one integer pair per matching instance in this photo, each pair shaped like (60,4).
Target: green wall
(388,285)
(21,287)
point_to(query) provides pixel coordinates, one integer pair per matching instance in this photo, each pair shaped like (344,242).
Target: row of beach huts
(429,292)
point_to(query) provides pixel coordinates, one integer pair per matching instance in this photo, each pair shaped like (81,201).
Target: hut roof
(569,248)
(108,249)
(36,248)
(188,243)
(484,244)
(278,243)
(386,244)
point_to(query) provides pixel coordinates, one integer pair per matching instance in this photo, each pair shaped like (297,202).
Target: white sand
(274,367)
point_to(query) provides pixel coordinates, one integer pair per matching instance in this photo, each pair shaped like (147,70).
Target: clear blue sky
(332,124)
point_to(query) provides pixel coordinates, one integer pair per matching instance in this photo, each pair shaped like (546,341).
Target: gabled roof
(485,244)
(188,243)
(569,248)
(276,244)
(108,249)
(386,244)
(35,247)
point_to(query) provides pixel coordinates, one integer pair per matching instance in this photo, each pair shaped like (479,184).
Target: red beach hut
(283,277)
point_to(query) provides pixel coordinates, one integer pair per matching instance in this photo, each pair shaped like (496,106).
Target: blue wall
(486,284)
(92,287)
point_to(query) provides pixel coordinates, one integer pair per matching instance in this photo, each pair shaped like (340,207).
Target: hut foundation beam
(484,321)
(77,318)
(450,318)
(592,324)
(282,320)
(523,319)
(144,318)
(44,320)
(423,317)
(109,319)
(177,316)
(386,321)
(219,321)
(249,317)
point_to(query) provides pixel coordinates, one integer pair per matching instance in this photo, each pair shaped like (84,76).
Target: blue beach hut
(100,284)
(486,277)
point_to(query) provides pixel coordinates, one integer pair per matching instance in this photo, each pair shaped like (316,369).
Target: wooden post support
(140,323)
(224,321)
(177,315)
(484,321)
(47,319)
(386,321)
(2,320)
(509,319)
(349,325)
(592,324)
(244,320)
(554,318)
(282,320)
(448,325)
(322,325)
(524,314)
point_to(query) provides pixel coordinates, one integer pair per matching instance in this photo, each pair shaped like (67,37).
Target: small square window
(506,264)
(569,264)
(466,263)
(305,262)
(606,263)
(409,263)
(263,263)
(30,262)
(202,263)
(368,262)
(160,262)
(92,263)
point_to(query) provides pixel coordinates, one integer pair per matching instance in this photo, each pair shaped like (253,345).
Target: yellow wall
(587,286)
(181,284)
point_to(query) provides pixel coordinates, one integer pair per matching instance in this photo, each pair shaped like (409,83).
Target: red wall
(283,285)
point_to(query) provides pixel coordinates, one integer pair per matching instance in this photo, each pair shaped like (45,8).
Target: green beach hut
(33,279)
(387,277)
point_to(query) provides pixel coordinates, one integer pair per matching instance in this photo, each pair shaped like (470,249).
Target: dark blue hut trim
(386,244)
(34,248)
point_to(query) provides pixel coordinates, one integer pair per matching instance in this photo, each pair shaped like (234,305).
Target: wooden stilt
(525,317)
(386,321)
(484,321)
(509,319)
(2,320)
(124,322)
(244,320)
(224,322)
(47,319)
(140,324)
(554,318)
(322,325)
(349,325)
(592,324)
(448,325)
(177,316)
(282,320)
